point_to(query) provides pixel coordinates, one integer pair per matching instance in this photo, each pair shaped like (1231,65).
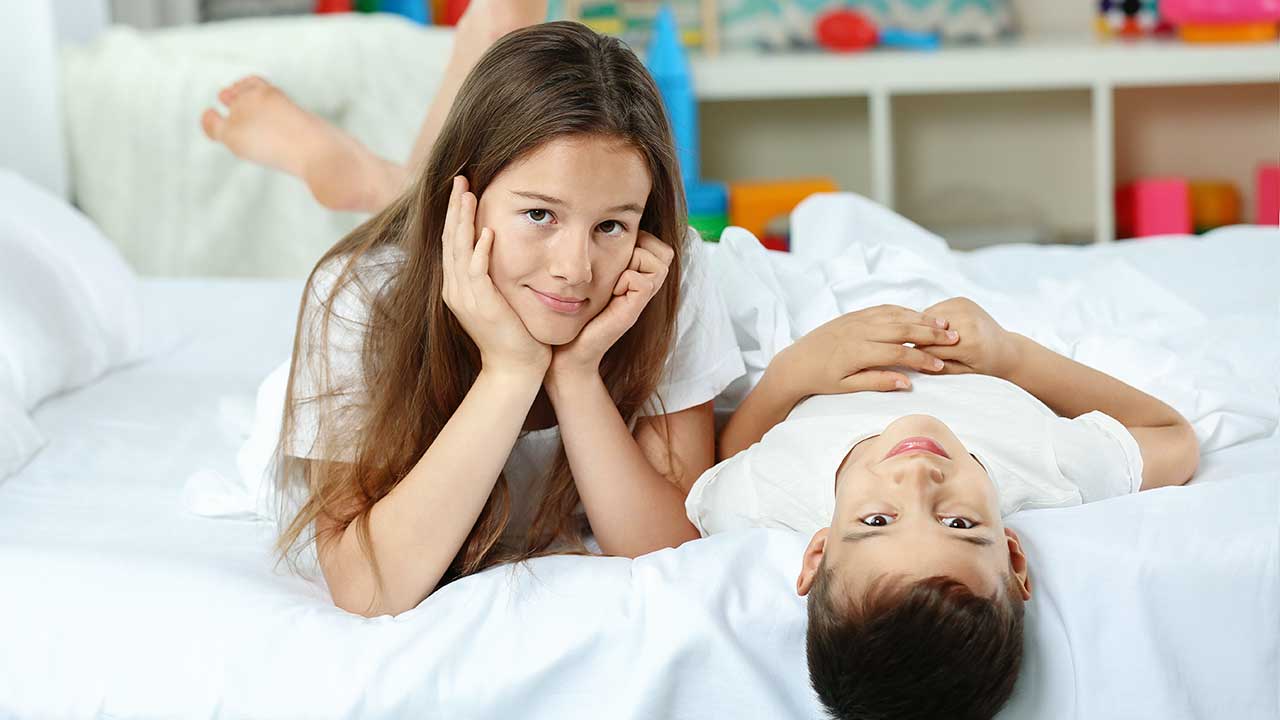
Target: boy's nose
(571,258)
(920,472)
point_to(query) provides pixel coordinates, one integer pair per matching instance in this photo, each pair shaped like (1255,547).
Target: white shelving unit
(1036,63)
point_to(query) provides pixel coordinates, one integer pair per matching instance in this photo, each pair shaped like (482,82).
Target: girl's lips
(918,444)
(566,306)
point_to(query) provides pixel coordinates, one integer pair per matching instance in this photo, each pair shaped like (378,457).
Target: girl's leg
(484,22)
(264,126)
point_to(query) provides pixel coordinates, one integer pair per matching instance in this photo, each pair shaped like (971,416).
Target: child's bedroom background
(1103,177)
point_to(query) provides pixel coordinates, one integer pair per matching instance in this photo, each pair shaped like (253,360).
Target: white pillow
(69,305)
(19,439)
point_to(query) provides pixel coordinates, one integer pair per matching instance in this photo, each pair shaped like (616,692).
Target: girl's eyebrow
(629,207)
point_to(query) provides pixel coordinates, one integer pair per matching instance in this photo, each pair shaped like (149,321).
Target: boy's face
(914,503)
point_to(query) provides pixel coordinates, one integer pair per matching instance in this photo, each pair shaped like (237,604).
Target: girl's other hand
(638,284)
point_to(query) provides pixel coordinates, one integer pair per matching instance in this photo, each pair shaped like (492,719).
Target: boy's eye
(877,520)
(959,523)
(538,216)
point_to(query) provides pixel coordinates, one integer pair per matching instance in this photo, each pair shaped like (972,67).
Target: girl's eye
(612,227)
(959,523)
(538,217)
(877,520)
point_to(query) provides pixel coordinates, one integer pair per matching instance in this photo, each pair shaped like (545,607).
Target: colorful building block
(1156,206)
(760,207)
(1214,204)
(1219,21)
(1268,195)
(418,11)
(333,6)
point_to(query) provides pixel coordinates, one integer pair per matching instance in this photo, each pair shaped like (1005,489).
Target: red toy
(845,31)
(1269,195)
(333,6)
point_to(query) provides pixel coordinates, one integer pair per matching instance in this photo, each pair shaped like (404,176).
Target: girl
(519,349)
(497,353)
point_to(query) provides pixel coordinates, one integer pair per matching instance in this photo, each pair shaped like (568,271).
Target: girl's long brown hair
(417,363)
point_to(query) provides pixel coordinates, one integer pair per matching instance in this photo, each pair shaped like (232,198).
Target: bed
(119,599)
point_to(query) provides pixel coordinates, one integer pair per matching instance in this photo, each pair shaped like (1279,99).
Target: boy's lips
(918,444)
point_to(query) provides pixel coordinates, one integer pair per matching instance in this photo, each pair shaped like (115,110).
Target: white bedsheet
(116,602)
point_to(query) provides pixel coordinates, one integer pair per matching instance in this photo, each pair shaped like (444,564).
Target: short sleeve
(1098,455)
(328,377)
(722,499)
(704,357)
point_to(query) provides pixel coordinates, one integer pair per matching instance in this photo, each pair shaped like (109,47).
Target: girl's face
(565,220)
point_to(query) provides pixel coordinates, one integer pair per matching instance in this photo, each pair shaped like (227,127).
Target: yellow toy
(756,205)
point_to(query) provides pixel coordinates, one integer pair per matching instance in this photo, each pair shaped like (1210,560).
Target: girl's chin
(554,331)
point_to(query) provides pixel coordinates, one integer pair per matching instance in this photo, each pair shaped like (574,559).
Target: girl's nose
(571,257)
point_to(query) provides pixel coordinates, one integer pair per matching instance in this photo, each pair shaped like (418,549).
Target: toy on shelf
(1130,18)
(415,10)
(1268,195)
(668,63)
(1218,21)
(845,30)
(1214,203)
(1155,206)
(763,207)
(633,20)
(333,6)
(910,39)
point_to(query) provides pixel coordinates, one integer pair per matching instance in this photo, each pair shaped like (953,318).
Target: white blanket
(117,602)
(1219,371)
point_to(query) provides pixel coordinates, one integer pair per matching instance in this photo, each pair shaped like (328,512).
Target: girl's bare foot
(264,126)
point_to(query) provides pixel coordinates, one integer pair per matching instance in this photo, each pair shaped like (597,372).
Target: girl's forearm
(632,508)
(418,528)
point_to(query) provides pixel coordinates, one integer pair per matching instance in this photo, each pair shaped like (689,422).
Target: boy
(915,587)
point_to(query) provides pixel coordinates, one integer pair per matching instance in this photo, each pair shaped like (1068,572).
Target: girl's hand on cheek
(650,263)
(505,343)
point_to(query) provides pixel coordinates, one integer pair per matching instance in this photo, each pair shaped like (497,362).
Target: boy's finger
(875,380)
(918,335)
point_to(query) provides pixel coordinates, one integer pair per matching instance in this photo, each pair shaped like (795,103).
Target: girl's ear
(812,561)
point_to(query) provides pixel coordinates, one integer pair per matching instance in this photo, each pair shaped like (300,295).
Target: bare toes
(212,124)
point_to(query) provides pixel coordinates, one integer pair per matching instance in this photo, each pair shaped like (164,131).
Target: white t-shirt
(704,359)
(1035,458)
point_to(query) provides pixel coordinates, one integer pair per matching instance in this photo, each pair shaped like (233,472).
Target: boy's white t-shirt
(704,359)
(1035,458)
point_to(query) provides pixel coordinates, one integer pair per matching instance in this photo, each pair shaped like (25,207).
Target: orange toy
(1228,33)
(1214,204)
(752,205)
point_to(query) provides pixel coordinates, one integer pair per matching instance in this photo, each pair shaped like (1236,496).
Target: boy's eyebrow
(628,207)
(979,540)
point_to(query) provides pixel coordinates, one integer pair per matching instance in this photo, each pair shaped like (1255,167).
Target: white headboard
(31,129)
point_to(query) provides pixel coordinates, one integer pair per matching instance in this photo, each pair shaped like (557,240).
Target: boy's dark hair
(905,650)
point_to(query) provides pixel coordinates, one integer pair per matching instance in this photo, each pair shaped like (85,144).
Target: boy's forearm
(1072,389)
(768,404)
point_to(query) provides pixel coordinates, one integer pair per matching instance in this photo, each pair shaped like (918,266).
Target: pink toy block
(1268,195)
(1215,12)
(1155,206)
